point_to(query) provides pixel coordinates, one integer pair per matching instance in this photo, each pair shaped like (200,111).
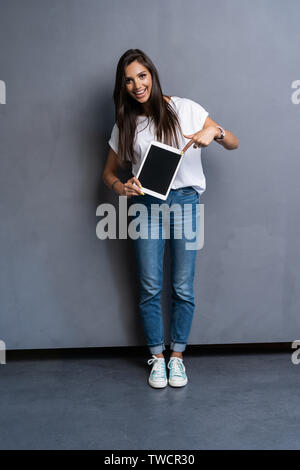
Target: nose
(137,87)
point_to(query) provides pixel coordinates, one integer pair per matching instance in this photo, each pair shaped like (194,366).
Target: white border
(167,147)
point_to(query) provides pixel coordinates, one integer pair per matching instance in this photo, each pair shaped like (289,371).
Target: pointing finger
(188,136)
(187,146)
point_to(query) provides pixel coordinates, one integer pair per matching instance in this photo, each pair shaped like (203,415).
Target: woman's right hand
(132,188)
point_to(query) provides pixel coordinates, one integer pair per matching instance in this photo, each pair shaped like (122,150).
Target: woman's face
(138,79)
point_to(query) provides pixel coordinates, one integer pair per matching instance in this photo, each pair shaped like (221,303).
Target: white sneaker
(158,374)
(177,376)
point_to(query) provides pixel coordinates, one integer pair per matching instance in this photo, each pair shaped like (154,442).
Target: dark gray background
(63,287)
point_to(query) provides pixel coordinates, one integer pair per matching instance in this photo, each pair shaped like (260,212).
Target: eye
(127,80)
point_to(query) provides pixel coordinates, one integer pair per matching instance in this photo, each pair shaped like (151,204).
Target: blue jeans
(150,255)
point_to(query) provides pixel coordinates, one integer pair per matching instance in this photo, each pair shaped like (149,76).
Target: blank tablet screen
(158,169)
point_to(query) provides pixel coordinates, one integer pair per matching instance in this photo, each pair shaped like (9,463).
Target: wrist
(118,188)
(220,133)
(114,182)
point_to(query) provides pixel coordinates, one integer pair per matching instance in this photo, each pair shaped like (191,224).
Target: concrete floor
(101,400)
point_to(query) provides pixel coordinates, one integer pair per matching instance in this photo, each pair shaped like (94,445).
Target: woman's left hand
(202,138)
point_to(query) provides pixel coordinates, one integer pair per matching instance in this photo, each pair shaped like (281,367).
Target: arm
(109,174)
(230,142)
(207,134)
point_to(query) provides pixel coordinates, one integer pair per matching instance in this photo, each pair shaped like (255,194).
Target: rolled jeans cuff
(159,348)
(177,347)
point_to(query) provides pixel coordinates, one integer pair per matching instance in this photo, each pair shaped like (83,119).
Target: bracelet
(222,134)
(112,186)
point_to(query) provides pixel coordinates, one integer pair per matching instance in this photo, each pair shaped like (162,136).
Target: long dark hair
(127,109)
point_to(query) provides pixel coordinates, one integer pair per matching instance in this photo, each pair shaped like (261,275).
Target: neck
(146,110)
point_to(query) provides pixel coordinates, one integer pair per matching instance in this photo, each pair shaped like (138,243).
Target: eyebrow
(137,74)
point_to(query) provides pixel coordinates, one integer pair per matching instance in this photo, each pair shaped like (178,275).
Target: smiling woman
(138,93)
(183,124)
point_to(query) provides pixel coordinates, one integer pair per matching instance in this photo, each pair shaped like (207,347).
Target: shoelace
(159,366)
(177,366)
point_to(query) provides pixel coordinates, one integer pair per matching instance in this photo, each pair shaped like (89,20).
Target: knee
(150,289)
(183,290)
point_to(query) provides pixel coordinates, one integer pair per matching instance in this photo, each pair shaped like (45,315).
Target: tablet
(159,168)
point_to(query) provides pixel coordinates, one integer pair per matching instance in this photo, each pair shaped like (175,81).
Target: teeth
(140,92)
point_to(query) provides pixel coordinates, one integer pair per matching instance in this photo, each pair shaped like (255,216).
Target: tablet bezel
(166,147)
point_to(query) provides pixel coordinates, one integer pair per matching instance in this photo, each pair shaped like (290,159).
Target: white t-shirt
(191,117)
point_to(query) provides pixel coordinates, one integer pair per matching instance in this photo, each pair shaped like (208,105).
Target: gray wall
(63,287)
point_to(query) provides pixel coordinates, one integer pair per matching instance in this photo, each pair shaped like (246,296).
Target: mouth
(141,94)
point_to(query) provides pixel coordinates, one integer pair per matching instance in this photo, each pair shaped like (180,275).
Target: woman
(143,114)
